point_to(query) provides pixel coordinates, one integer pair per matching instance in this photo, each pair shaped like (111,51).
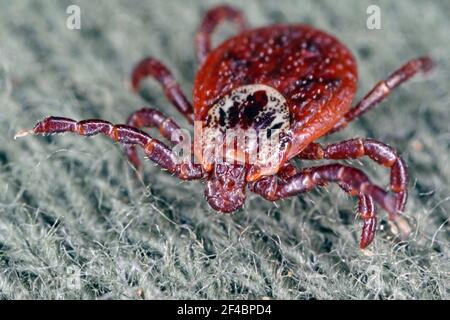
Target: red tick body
(291,79)
(314,72)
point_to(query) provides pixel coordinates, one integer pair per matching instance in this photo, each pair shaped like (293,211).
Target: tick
(294,80)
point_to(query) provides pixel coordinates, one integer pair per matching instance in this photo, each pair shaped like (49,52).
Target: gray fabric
(76,223)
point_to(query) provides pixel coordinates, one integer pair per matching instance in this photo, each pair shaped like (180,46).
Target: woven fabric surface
(76,222)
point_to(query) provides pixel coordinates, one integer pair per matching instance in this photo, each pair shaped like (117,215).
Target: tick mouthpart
(225,206)
(225,187)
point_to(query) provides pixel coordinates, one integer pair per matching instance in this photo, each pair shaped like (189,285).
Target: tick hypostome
(294,80)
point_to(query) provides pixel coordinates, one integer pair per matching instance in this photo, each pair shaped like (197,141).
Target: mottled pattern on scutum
(257,111)
(256,107)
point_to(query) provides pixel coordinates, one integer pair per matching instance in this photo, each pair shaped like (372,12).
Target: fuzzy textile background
(76,221)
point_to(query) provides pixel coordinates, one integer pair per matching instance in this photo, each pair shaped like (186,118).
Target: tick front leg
(375,150)
(151,118)
(351,180)
(383,88)
(210,22)
(154,68)
(125,135)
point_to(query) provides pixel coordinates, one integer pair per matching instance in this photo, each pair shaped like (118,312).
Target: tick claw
(400,227)
(22,133)
(428,64)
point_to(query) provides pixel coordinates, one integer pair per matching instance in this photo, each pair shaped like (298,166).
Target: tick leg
(211,20)
(154,68)
(351,180)
(383,88)
(375,150)
(125,135)
(150,118)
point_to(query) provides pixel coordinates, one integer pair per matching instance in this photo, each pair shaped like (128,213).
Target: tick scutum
(246,119)
(254,105)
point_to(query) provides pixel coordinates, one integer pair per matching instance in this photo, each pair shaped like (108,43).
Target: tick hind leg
(383,88)
(154,68)
(375,150)
(150,118)
(125,135)
(211,20)
(353,181)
